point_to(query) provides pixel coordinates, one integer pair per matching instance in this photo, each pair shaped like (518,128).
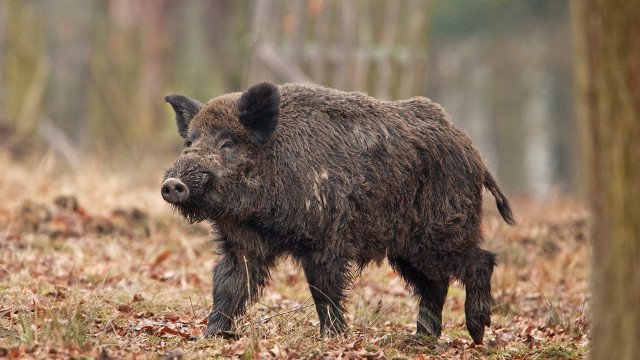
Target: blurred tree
(4,7)
(97,70)
(68,48)
(153,66)
(374,46)
(25,70)
(500,69)
(608,76)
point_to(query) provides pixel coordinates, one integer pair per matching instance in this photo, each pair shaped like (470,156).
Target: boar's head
(225,139)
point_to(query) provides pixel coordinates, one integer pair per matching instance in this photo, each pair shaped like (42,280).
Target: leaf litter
(116,283)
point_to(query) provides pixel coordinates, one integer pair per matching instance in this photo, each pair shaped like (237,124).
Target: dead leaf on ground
(172,355)
(124,308)
(160,259)
(104,355)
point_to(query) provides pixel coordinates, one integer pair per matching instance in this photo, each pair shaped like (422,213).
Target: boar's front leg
(232,292)
(328,279)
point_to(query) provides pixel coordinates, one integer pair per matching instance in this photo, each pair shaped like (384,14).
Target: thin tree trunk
(260,36)
(69,54)
(412,73)
(389,32)
(4,12)
(608,78)
(321,35)
(365,39)
(343,64)
(153,67)
(298,34)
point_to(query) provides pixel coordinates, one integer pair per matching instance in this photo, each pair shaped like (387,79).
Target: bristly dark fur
(185,109)
(258,109)
(337,180)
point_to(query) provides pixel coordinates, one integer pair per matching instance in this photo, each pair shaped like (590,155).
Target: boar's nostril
(174,191)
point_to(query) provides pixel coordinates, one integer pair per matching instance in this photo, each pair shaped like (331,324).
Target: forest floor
(93,264)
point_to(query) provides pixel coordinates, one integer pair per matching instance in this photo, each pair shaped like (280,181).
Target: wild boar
(334,180)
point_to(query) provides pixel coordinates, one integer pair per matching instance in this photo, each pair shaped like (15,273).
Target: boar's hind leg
(476,277)
(231,293)
(327,283)
(431,292)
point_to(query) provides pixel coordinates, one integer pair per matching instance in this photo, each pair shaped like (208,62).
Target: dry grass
(105,281)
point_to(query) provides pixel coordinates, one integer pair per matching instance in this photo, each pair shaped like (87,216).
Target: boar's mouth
(200,208)
(196,211)
(190,195)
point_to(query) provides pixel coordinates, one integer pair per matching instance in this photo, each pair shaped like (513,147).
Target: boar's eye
(226,144)
(187,143)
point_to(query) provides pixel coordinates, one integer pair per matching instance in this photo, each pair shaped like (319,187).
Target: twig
(302,307)
(193,310)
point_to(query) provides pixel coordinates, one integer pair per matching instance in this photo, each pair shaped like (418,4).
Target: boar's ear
(185,109)
(258,110)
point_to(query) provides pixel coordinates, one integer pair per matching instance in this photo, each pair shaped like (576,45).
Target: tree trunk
(607,37)
(4,10)
(153,67)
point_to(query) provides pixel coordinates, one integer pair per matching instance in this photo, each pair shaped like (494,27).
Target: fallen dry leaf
(64,267)
(160,259)
(123,308)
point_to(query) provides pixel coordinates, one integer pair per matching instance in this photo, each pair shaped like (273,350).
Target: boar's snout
(174,191)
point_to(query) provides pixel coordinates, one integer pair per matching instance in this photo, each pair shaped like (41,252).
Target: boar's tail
(501,201)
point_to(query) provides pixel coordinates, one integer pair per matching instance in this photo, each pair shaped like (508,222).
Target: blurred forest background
(86,79)
(81,91)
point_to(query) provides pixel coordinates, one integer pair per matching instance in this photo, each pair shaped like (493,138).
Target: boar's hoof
(334,329)
(174,191)
(225,334)
(476,330)
(428,331)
